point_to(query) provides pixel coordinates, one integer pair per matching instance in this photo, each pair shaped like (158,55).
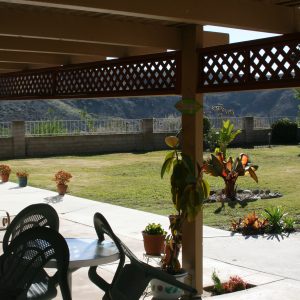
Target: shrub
(206,125)
(250,224)
(275,216)
(273,220)
(284,131)
(234,284)
(289,224)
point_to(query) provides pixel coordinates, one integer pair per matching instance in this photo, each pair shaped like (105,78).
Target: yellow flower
(172,141)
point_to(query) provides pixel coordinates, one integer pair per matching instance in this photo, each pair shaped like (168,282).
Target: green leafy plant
(188,190)
(230,170)
(272,220)
(289,224)
(226,135)
(154,229)
(234,284)
(275,216)
(250,224)
(218,286)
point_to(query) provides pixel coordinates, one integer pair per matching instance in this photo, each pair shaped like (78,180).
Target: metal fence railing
(123,126)
(82,127)
(166,124)
(5,129)
(174,124)
(218,122)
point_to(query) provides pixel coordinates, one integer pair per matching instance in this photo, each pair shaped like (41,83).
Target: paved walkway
(270,262)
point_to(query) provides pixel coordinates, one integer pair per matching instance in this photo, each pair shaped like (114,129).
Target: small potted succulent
(62,178)
(154,239)
(22,177)
(5,171)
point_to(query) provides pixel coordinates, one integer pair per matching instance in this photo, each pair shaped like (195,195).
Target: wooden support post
(192,137)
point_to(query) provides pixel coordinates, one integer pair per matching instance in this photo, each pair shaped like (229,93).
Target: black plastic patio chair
(26,256)
(40,214)
(35,215)
(131,279)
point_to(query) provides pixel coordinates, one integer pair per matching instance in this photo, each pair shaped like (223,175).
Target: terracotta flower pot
(154,244)
(4,177)
(62,189)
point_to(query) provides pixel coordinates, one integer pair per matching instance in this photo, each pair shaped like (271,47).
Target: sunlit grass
(133,180)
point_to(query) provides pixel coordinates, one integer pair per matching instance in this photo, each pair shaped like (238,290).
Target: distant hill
(263,103)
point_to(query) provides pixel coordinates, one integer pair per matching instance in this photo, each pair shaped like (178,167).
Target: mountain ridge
(256,103)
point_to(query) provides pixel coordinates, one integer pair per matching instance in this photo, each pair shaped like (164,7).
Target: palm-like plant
(230,170)
(225,136)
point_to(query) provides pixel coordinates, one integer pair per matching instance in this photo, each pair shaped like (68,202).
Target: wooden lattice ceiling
(48,33)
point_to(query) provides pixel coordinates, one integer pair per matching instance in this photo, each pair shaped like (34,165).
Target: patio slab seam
(252,269)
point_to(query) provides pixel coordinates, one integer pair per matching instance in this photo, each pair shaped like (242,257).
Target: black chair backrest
(130,280)
(40,214)
(27,255)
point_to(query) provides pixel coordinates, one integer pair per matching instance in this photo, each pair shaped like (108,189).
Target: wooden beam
(192,138)
(21,66)
(211,39)
(33,58)
(4,71)
(59,47)
(55,26)
(247,14)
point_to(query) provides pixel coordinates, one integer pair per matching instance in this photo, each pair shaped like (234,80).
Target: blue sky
(237,35)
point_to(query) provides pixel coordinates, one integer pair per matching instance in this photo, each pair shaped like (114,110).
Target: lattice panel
(142,75)
(26,85)
(267,63)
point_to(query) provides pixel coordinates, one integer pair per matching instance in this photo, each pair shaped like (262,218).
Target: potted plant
(188,190)
(5,171)
(23,177)
(154,239)
(61,178)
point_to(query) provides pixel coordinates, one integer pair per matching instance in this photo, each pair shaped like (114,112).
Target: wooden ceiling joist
(247,14)
(86,29)
(35,45)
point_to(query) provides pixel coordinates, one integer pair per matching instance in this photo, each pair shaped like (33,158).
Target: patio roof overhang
(71,32)
(51,33)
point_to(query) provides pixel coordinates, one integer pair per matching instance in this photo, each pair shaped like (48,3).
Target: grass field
(133,180)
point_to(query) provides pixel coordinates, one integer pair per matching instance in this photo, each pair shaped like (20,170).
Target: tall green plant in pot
(188,190)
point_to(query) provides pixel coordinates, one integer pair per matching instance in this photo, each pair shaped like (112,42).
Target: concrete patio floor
(270,262)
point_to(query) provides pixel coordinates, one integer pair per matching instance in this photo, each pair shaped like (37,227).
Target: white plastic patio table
(86,253)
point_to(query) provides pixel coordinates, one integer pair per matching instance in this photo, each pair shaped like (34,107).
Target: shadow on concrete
(54,199)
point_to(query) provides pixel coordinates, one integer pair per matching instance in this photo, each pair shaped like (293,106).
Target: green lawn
(133,180)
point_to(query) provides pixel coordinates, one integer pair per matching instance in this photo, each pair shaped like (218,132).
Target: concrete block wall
(89,144)
(147,140)
(6,148)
